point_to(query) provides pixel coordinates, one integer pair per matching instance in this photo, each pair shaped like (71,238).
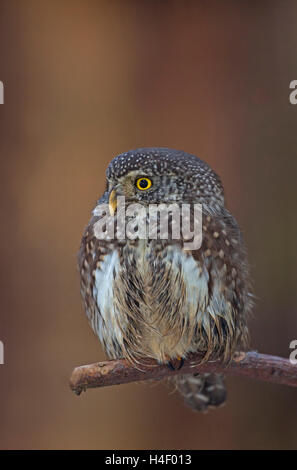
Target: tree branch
(250,364)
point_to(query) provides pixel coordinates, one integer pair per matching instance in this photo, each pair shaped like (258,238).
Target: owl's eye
(143,183)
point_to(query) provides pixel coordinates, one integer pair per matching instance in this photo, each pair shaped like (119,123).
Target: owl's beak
(112,202)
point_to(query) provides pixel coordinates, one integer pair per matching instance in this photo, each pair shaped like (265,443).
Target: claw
(180,364)
(170,365)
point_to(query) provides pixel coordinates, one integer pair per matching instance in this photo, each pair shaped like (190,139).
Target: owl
(152,297)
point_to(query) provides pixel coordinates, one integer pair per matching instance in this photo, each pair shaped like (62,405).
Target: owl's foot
(179,365)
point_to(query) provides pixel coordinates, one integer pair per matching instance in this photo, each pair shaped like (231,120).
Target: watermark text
(293,355)
(1,93)
(293,94)
(1,352)
(152,221)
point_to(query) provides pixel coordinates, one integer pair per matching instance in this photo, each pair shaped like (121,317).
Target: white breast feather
(103,293)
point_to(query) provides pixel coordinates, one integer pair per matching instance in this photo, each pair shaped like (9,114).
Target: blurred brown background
(84,81)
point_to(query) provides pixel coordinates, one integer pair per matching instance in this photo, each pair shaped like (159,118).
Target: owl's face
(161,175)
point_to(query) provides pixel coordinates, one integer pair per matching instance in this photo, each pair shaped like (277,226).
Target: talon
(181,363)
(170,365)
(179,366)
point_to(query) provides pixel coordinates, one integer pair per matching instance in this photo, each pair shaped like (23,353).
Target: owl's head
(163,175)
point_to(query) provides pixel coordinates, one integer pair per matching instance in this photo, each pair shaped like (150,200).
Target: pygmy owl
(151,297)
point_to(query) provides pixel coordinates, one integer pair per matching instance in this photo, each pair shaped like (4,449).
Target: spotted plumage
(151,297)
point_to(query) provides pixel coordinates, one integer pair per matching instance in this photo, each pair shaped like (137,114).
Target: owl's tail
(202,391)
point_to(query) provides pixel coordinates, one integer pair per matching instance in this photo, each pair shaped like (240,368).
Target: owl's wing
(91,254)
(222,261)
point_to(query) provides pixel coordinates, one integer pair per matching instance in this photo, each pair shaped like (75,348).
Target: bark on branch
(250,364)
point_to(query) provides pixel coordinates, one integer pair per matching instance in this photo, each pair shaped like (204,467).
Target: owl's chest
(157,290)
(146,274)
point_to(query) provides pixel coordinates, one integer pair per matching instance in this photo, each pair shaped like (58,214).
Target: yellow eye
(143,183)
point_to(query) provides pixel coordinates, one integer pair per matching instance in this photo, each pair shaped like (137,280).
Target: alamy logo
(293,355)
(1,93)
(1,353)
(293,94)
(153,221)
